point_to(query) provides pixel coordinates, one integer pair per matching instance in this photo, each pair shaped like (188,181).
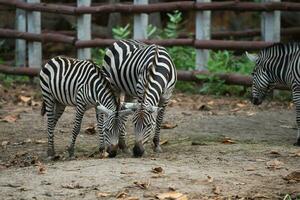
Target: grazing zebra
(279,63)
(147,73)
(71,82)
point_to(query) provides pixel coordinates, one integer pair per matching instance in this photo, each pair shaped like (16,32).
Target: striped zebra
(79,83)
(147,73)
(279,63)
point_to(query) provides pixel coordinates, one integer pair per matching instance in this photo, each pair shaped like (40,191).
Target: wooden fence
(28,12)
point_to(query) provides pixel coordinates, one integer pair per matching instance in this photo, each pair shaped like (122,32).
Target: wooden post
(34,48)
(270,24)
(20,48)
(84,30)
(140,22)
(203,22)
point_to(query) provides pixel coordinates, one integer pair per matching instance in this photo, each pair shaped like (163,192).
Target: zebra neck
(104,94)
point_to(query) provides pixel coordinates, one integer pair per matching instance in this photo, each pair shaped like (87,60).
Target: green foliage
(9,80)
(121,32)
(225,62)
(98,55)
(183,57)
(174,25)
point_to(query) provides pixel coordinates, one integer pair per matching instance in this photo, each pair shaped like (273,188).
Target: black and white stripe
(279,63)
(147,73)
(71,82)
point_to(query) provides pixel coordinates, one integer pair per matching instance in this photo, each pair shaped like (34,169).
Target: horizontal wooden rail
(44,37)
(200,44)
(156,7)
(231,79)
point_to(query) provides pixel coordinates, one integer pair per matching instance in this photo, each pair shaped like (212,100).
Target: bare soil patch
(214,148)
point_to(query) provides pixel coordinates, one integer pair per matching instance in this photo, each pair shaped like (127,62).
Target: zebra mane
(107,82)
(150,72)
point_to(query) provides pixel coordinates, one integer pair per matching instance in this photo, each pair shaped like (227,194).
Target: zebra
(147,73)
(278,63)
(79,83)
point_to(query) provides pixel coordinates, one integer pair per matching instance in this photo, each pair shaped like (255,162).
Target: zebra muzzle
(256,101)
(138,149)
(112,151)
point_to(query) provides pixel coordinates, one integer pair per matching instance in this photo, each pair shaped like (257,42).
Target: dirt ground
(214,148)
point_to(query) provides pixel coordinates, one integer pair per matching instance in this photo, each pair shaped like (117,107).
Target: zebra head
(262,81)
(113,126)
(144,122)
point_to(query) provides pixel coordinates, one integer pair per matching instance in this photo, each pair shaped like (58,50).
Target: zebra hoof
(158,149)
(51,153)
(297,143)
(112,151)
(138,150)
(71,152)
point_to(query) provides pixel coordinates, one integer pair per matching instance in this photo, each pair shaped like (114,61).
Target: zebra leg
(78,119)
(101,133)
(122,141)
(159,119)
(296,99)
(54,112)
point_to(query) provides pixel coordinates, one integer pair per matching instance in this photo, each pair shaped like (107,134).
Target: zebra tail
(43,109)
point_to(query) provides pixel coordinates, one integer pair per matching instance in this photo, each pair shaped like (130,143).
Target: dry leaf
(249,113)
(41,168)
(235,110)
(167,125)
(142,185)
(25,99)
(72,186)
(216,189)
(260,196)
(40,141)
(131,198)
(227,140)
(204,107)
(90,130)
(102,194)
(210,179)
(210,103)
(171,196)
(241,105)
(295,154)
(28,140)
(274,164)
(275,152)
(121,195)
(293,176)
(163,142)
(10,118)
(104,155)
(35,103)
(157,170)
(251,168)
(4,143)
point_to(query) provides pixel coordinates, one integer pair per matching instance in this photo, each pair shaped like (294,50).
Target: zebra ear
(103,110)
(252,57)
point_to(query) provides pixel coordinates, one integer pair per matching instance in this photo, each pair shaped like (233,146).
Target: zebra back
(63,79)
(133,66)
